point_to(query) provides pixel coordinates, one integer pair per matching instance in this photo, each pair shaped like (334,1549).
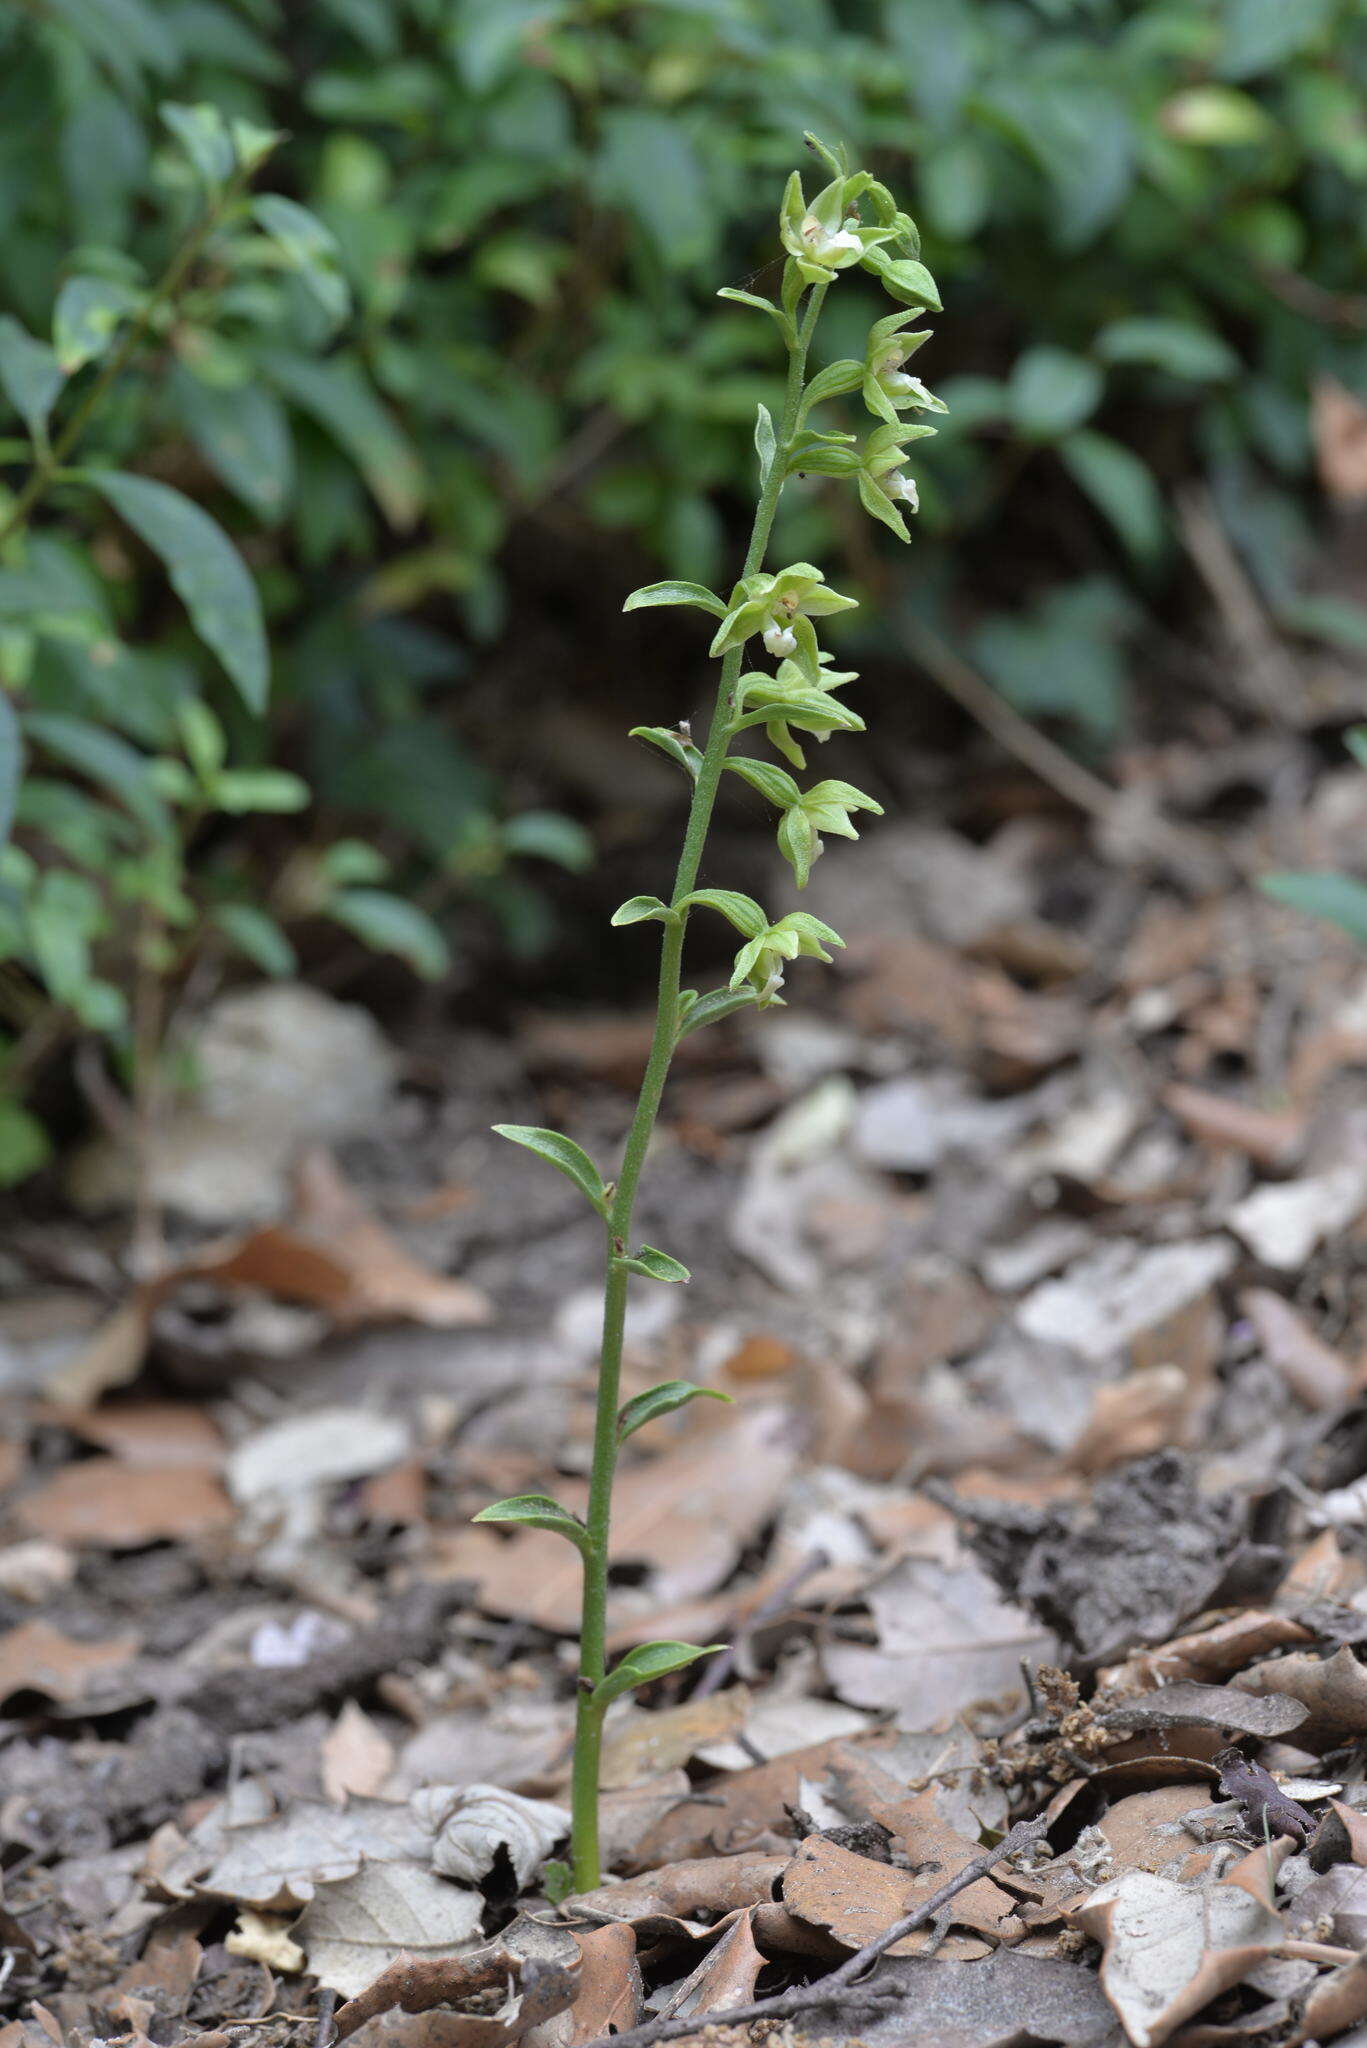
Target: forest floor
(1031,1246)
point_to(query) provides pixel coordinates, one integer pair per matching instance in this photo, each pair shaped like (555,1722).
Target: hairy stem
(593,1628)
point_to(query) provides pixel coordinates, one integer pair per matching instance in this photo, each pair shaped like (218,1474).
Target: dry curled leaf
(726,1975)
(1332,1689)
(473,1825)
(1206,1655)
(705,1885)
(856,1899)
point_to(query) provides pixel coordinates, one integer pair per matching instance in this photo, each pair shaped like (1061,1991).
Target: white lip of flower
(780,638)
(824,243)
(898,486)
(771,987)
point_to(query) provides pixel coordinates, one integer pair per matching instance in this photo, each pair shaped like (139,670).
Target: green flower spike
(828,235)
(780,702)
(883,487)
(780,608)
(888,389)
(825,807)
(761,961)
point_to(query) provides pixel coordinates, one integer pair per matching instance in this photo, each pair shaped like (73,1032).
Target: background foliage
(1145,220)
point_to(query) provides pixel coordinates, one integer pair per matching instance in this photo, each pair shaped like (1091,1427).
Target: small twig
(719,1670)
(1024,1835)
(323,2032)
(1264,676)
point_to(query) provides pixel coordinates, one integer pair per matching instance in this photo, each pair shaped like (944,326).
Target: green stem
(588,1735)
(46,470)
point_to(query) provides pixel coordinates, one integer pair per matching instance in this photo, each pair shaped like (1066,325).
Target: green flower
(828,235)
(824,808)
(780,608)
(884,488)
(762,960)
(788,699)
(888,389)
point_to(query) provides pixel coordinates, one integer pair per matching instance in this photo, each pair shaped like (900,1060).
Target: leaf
(337,395)
(204,135)
(676,593)
(832,382)
(716,1005)
(30,375)
(637,909)
(87,316)
(564,1155)
(655,1265)
(537,1511)
(206,572)
(11,765)
(353,1930)
(740,298)
(648,1662)
(311,248)
(766,443)
(391,924)
(1177,346)
(240,791)
(257,936)
(662,1400)
(243,433)
(741,911)
(1339,899)
(24,1144)
(1323,615)
(105,759)
(672,743)
(1120,485)
(1052,391)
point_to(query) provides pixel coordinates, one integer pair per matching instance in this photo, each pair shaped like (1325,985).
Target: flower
(828,235)
(780,609)
(782,701)
(761,961)
(888,388)
(884,487)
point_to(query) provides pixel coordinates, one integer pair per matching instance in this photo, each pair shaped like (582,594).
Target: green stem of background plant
(588,1735)
(165,292)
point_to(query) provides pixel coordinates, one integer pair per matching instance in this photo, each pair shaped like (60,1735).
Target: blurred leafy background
(435,422)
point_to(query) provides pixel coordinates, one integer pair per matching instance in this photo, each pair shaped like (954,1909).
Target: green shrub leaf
(1339,899)
(30,375)
(207,573)
(564,1155)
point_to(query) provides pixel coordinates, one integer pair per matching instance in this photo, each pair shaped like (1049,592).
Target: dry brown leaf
(37,1658)
(760,1358)
(1334,1689)
(416,1983)
(1338,427)
(1145,1832)
(1273,1138)
(1170,1948)
(1336,2003)
(742,1804)
(357,1758)
(856,1899)
(726,1976)
(354,1929)
(1144,1412)
(150,1433)
(383,1279)
(611,1992)
(114,1506)
(649,1744)
(706,1885)
(1207,1655)
(1314,1371)
(265,1938)
(1324,1571)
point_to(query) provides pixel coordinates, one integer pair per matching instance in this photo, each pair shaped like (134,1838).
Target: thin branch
(1024,1835)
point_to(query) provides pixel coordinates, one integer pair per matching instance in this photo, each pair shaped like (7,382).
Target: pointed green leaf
(391,924)
(714,1007)
(29,373)
(206,571)
(105,759)
(257,935)
(537,1511)
(662,1400)
(832,382)
(655,1265)
(672,743)
(741,911)
(799,844)
(647,1662)
(311,248)
(760,306)
(564,1155)
(86,317)
(11,764)
(637,909)
(1339,899)
(676,593)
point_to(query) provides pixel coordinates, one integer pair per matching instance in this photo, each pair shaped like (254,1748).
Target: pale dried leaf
(473,1824)
(38,1658)
(1334,1689)
(354,1929)
(113,1506)
(357,1758)
(262,1938)
(276,1864)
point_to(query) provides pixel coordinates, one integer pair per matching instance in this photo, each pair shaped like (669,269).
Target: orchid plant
(853,222)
